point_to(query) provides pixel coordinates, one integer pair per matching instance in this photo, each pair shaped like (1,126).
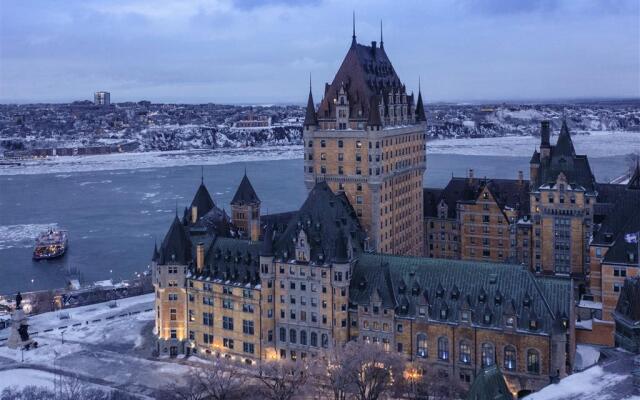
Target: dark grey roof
(374,112)
(279,221)
(489,384)
(563,159)
(487,290)
(615,215)
(628,307)
(420,117)
(176,246)
(310,118)
(431,199)
(203,200)
(321,216)
(623,251)
(245,193)
(233,260)
(507,192)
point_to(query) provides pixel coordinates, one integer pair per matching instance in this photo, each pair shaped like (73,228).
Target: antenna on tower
(381,40)
(353,37)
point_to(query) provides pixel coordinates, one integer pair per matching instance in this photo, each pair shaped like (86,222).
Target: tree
(368,369)
(219,381)
(282,379)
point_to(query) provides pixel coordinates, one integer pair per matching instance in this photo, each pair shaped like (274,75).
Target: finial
(202,174)
(419,89)
(245,170)
(353,37)
(381,40)
(176,208)
(309,81)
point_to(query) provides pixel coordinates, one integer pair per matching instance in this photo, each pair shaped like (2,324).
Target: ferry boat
(52,243)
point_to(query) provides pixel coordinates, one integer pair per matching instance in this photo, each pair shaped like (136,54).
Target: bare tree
(221,381)
(369,370)
(281,380)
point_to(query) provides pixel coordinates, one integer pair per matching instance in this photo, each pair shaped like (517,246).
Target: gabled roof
(322,216)
(245,193)
(203,200)
(176,246)
(511,193)
(487,289)
(489,384)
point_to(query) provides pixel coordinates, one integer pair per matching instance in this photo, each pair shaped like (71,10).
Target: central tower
(367,140)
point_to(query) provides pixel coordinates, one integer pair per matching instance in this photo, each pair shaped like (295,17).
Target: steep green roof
(445,288)
(489,384)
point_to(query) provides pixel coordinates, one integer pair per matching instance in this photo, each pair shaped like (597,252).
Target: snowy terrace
(105,346)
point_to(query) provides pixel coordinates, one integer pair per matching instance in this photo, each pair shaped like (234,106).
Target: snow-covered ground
(156,159)
(592,384)
(110,347)
(595,144)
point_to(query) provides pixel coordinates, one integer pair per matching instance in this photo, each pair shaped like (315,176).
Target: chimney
(194,214)
(373,48)
(520,177)
(470,175)
(545,133)
(200,257)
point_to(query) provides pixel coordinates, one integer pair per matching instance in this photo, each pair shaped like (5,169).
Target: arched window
(303,338)
(293,337)
(325,340)
(314,339)
(533,362)
(421,345)
(465,352)
(443,348)
(510,358)
(488,354)
(283,335)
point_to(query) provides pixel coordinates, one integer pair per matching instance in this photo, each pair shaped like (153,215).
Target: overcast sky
(252,51)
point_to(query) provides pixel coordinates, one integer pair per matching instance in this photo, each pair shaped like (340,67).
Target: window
(399,328)
(227,323)
(325,340)
(247,327)
(323,143)
(248,347)
(510,358)
(443,348)
(173,314)
(488,354)
(303,338)
(173,296)
(533,362)
(228,304)
(248,308)
(206,300)
(207,319)
(292,335)
(283,335)
(227,290)
(247,293)
(173,333)
(207,338)
(340,143)
(465,352)
(228,343)
(421,345)
(314,339)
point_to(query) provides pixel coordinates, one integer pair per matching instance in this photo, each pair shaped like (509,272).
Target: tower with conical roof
(367,139)
(245,209)
(562,198)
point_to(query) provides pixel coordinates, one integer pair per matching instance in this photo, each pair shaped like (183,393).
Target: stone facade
(367,139)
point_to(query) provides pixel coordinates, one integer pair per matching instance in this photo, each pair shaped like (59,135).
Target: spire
(381,39)
(310,118)
(245,193)
(420,117)
(564,145)
(353,37)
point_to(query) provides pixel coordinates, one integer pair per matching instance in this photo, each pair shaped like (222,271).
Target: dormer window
(533,324)
(487,319)
(510,322)
(443,313)
(464,316)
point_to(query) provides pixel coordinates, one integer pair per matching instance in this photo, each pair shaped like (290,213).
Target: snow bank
(590,384)
(25,377)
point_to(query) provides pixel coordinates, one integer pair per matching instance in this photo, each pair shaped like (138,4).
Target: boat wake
(21,236)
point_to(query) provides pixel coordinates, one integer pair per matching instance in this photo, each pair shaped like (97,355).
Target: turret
(245,209)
